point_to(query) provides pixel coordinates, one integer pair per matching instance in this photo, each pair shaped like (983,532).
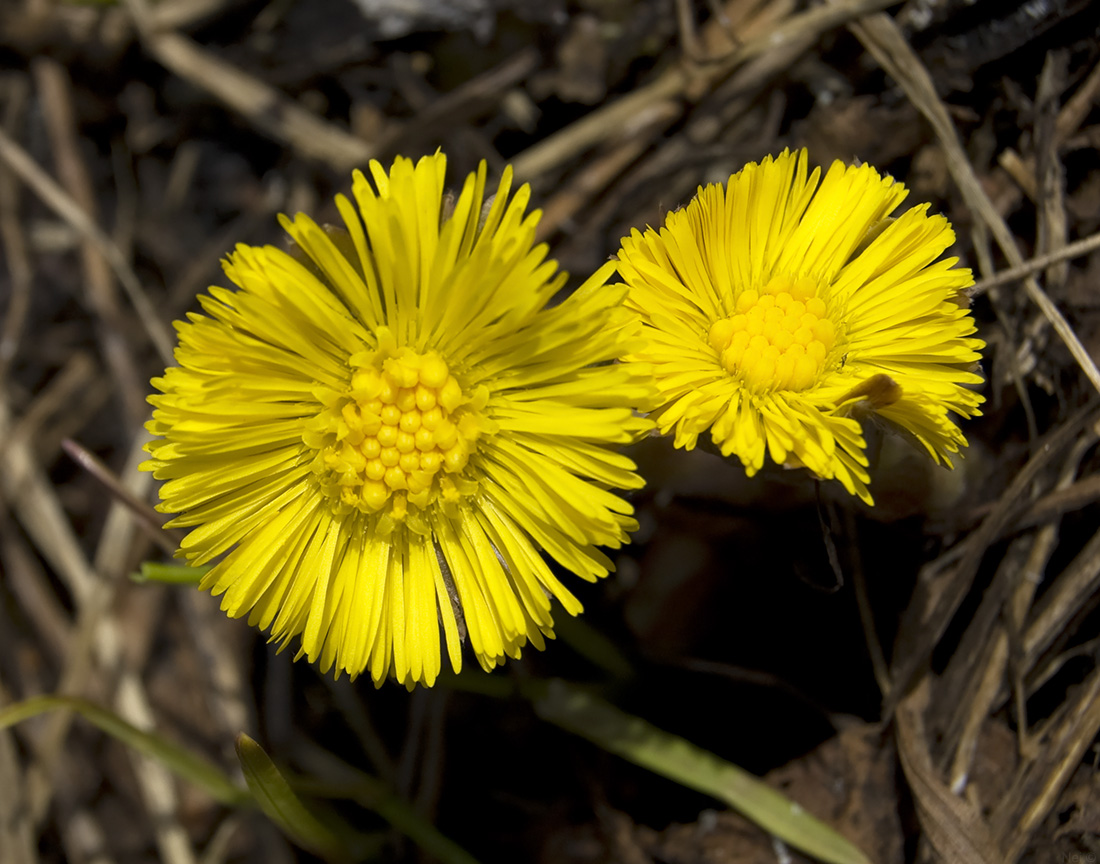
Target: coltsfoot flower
(380,429)
(775,308)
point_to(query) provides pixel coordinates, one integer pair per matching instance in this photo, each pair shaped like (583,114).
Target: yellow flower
(775,309)
(379,429)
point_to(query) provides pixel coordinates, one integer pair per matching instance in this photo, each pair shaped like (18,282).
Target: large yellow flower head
(379,429)
(777,307)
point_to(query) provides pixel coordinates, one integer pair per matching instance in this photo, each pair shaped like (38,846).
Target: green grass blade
(281,805)
(191,767)
(672,757)
(170,574)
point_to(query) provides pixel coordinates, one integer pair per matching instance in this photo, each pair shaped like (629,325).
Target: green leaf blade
(639,742)
(189,766)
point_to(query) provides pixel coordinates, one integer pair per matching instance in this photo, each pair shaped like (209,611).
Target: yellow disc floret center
(401,433)
(778,337)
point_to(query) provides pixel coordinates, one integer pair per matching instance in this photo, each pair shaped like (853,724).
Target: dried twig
(884,41)
(953,826)
(465,102)
(1074,591)
(264,107)
(1036,790)
(1078,106)
(973,697)
(16,832)
(25,486)
(58,200)
(1052,229)
(941,589)
(678,83)
(1071,250)
(150,521)
(55,89)
(13,238)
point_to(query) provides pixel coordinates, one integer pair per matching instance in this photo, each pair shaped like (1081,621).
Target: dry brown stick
(979,234)
(62,389)
(55,93)
(941,590)
(968,659)
(963,729)
(730,100)
(884,41)
(34,594)
(13,237)
(150,521)
(96,639)
(466,101)
(677,83)
(1071,250)
(597,175)
(696,49)
(1070,118)
(1078,106)
(953,827)
(603,123)
(960,744)
(673,163)
(1020,170)
(422,98)
(1076,585)
(270,111)
(155,781)
(16,832)
(58,200)
(1052,229)
(1039,783)
(34,502)
(82,838)
(1049,506)
(1073,497)
(177,14)
(955,687)
(31,588)
(224,679)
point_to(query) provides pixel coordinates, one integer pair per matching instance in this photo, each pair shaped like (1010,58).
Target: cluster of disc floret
(401,432)
(778,337)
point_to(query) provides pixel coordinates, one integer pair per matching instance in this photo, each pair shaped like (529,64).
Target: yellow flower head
(379,429)
(775,308)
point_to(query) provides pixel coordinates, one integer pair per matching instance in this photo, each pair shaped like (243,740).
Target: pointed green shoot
(281,805)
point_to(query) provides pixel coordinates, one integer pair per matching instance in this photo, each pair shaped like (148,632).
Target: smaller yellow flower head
(378,434)
(777,306)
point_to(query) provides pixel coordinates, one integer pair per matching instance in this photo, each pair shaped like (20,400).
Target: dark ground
(183,127)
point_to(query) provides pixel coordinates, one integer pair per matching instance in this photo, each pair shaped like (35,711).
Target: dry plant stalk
(264,107)
(881,37)
(683,82)
(958,702)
